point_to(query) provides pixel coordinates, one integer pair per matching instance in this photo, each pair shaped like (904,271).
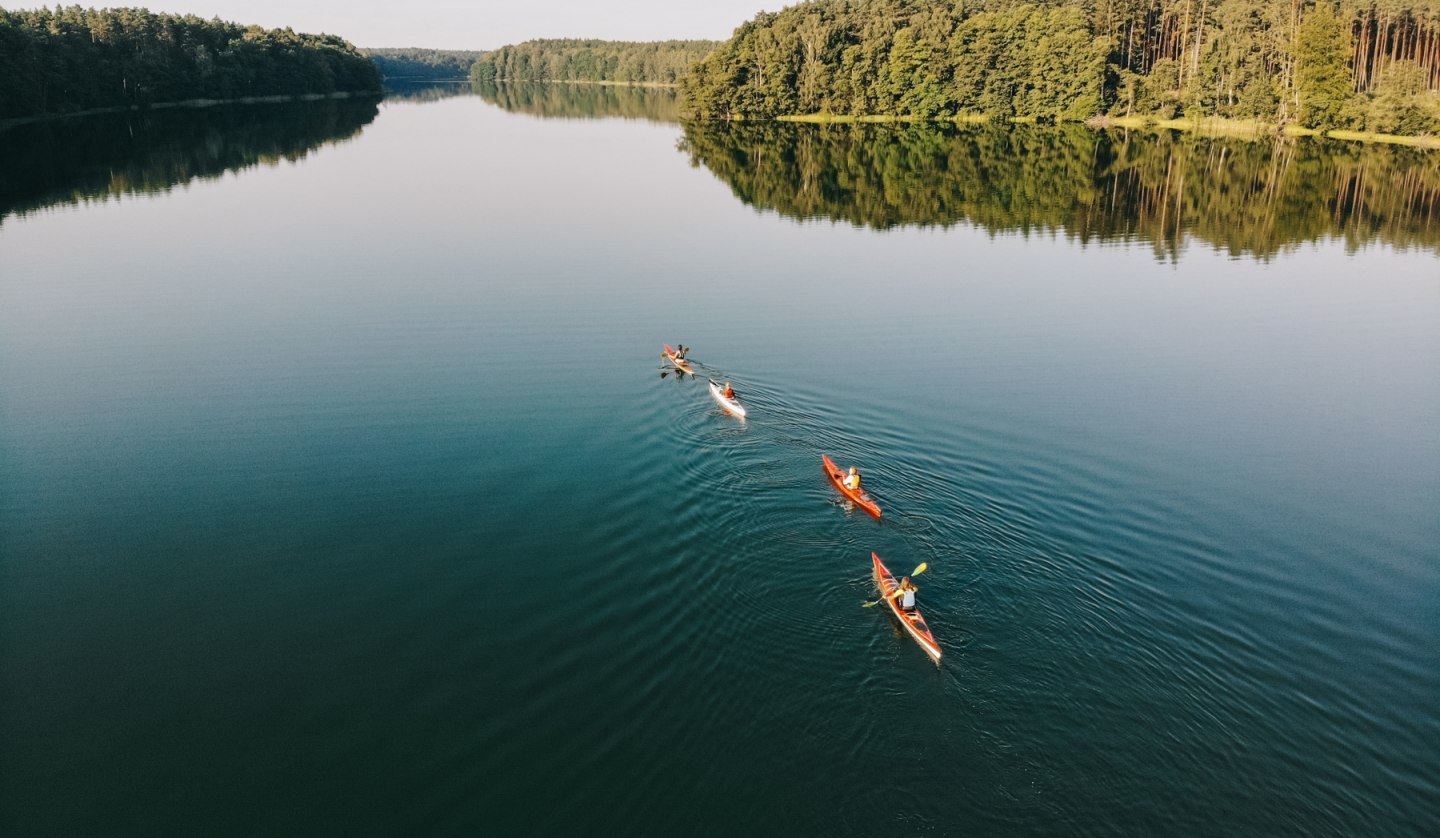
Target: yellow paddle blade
(924,566)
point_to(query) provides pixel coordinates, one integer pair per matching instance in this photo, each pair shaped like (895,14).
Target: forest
(563,59)
(1362,64)
(63,60)
(1254,196)
(411,64)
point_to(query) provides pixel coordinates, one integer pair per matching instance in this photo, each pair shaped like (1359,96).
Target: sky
(478,24)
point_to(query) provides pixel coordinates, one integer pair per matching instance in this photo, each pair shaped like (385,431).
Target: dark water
(340,492)
(95,158)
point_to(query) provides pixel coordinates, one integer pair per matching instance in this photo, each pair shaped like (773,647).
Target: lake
(341,490)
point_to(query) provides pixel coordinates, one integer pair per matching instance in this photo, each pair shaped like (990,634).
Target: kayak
(911,620)
(730,405)
(680,364)
(861,498)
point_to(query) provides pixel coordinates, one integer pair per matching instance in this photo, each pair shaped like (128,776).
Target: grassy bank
(1207,126)
(1393,139)
(1214,126)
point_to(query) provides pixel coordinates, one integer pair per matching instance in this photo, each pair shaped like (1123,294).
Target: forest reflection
(583,101)
(424,91)
(1247,197)
(95,158)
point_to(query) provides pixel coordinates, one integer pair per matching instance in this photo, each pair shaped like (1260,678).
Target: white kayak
(729,405)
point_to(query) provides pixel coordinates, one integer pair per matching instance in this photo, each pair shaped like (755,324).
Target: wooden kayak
(910,620)
(861,498)
(730,405)
(680,364)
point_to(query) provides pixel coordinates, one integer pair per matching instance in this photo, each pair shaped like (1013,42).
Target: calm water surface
(340,492)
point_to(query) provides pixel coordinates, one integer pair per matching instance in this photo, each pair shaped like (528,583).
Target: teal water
(340,492)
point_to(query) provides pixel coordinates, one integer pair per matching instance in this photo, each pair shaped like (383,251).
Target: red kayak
(861,498)
(680,363)
(911,619)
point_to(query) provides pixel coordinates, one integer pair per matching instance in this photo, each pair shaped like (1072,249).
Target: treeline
(583,101)
(563,59)
(1372,64)
(74,59)
(1252,197)
(414,64)
(96,158)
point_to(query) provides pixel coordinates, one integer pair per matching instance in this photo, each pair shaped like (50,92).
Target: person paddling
(852,480)
(905,594)
(729,392)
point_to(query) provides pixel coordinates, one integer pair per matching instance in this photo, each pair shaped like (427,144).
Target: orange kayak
(682,365)
(910,620)
(861,498)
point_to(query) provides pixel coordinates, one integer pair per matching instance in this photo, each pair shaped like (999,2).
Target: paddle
(923,566)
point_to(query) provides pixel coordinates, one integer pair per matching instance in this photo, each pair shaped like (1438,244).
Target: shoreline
(186,103)
(1204,126)
(1219,126)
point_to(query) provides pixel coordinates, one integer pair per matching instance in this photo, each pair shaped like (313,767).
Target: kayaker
(852,480)
(729,391)
(905,594)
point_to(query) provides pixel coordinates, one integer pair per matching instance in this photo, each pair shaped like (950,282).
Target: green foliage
(1238,63)
(72,59)
(1062,60)
(1163,89)
(1323,80)
(563,59)
(412,65)
(1403,103)
(908,58)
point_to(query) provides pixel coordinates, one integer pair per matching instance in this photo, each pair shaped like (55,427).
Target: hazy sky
(478,24)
